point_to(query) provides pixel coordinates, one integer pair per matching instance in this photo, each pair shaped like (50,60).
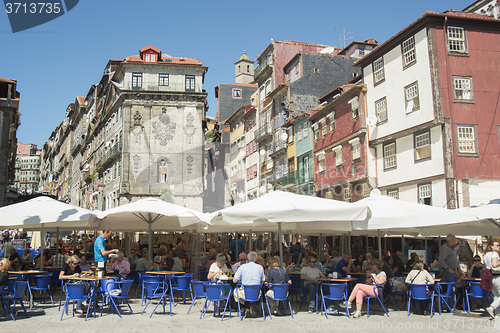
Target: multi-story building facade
(300,177)
(341,145)
(433,133)
(27,174)
(231,97)
(271,114)
(137,133)
(251,152)
(238,173)
(308,77)
(9,122)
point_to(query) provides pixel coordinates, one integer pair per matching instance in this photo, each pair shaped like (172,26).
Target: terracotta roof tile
(448,14)
(167,60)
(149,47)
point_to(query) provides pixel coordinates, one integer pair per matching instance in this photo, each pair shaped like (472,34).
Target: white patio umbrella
(151,214)
(490,210)
(285,211)
(393,216)
(50,213)
(43,213)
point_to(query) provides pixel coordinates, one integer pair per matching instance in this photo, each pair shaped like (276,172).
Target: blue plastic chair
(137,278)
(296,284)
(213,294)
(149,278)
(77,292)
(182,283)
(336,292)
(442,291)
(420,292)
(159,291)
(43,283)
(280,294)
(198,289)
(19,290)
(252,294)
(477,292)
(106,286)
(124,287)
(378,297)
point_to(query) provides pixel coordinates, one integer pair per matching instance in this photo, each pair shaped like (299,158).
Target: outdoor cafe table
(94,281)
(29,272)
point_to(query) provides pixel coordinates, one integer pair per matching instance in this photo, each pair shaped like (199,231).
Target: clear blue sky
(55,62)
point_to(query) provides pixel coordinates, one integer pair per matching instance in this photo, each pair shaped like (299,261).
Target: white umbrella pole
(379,245)
(42,245)
(150,239)
(280,243)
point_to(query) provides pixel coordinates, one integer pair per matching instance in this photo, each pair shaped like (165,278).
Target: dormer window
(150,57)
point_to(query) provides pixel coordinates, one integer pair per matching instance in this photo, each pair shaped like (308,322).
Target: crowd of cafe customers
(264,266)
(402,267)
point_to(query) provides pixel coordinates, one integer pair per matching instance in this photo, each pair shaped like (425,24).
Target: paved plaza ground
(302,322)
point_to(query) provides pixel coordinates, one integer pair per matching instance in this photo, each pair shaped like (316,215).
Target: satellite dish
(375,193)
(284,136)
(242,153)
(371,120)
(262,152)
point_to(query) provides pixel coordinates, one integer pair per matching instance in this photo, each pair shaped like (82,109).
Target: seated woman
(71,269)
(376,276)
(219,268)
(358,263)
(418,275)
(4,269)
(275,275)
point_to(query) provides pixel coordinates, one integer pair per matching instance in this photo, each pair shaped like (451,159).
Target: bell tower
(243,69)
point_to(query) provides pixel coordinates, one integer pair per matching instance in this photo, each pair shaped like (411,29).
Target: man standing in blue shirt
(297,252)
(100,253)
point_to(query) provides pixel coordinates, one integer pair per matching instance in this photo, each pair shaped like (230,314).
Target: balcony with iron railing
(290,178)
(305,177)
(263,67)
(112,153)
(264,132)
(278,147)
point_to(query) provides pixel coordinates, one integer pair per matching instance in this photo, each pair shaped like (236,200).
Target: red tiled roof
(149,47)
(167,60)
(428,14)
